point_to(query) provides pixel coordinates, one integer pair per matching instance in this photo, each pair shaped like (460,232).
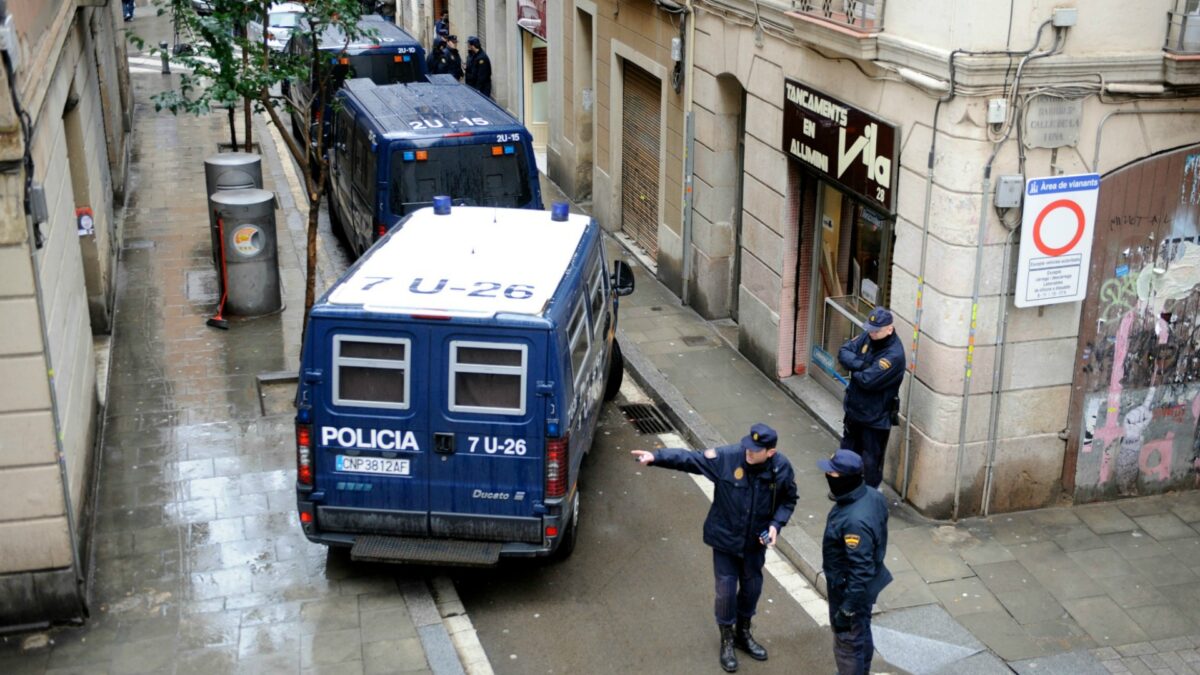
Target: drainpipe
(997,376)
(689,147)
(968,363)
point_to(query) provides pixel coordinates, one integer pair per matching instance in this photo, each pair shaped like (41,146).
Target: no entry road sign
(1056,239)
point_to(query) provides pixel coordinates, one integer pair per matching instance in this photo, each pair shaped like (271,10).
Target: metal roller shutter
(481,21)
(639,157)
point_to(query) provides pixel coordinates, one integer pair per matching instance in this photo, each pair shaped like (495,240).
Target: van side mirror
(622,278)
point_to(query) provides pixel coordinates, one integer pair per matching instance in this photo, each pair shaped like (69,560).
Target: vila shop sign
(1057,223)
(850,146)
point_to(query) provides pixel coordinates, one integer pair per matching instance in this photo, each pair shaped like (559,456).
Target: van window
(487,377)
(577,330)
(472,173)
(597,297)
(371,372)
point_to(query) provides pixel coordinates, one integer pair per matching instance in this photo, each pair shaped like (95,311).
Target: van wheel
(616,372)
(567,546)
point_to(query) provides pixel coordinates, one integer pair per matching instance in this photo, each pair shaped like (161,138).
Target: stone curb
(795,544)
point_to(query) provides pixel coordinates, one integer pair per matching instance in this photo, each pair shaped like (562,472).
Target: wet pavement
(199,565)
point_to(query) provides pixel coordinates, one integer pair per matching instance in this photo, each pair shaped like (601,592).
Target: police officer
(441,27)
(433,62)
(875,360)
(479,68)
(852,554)
(754,498)
(451,60)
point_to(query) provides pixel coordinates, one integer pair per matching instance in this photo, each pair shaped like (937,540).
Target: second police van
(395,147)
(451,383)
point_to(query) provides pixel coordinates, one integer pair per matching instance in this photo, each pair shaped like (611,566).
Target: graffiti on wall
(1141,371)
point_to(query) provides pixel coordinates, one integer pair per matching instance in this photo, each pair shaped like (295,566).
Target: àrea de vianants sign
(850,146)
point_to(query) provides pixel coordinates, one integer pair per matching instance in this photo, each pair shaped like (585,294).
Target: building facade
(847,154)
(63,177)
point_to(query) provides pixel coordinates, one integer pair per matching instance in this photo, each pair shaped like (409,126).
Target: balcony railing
(1183,28)
(865,16)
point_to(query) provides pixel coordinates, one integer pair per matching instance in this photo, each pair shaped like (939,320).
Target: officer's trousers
(870,444)
(739,581)
(853,649)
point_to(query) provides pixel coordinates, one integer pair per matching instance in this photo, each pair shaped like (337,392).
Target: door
(372,431)
(640,163)
(1134,422)
(537,90)
(486,470)
(362,191)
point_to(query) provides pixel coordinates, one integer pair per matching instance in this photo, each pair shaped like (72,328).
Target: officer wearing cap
(875,360)
(479,67)
(754,498)
(451,61)
(852,553)
(433,62)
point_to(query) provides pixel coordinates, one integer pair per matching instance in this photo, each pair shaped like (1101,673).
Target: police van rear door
(373,429)
(488,433)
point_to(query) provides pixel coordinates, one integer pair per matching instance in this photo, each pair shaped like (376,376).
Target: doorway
(585,107)
(640,162)
(536,91)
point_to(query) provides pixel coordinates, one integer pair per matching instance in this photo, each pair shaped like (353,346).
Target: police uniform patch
(864,349)
(738,473)
(885,364)
(852,540)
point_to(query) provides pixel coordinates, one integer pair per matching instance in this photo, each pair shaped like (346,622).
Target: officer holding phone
(749,478)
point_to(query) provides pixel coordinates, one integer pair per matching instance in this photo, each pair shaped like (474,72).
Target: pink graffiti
(1165,449)
(1112,430)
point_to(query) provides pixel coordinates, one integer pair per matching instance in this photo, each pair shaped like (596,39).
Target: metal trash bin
(229,171)
(251,275)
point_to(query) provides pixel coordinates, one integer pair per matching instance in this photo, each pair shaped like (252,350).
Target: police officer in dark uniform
(451,61)
(875,360)
(479,67)
(754,498)
(852,554)
(433,62)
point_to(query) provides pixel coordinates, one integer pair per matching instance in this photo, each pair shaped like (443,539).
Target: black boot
(744,641)
(728,656)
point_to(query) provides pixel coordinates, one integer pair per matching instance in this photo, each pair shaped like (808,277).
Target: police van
(451,383)
(396,146)
(385,53)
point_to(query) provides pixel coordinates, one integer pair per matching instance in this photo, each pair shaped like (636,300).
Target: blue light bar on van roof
(441,205)
(509,150)
(409,155)
(558,212)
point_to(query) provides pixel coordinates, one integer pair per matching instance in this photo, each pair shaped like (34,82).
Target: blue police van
(385,53)
(450,384)
(394,147)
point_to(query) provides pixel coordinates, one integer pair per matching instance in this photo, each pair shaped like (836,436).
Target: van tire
(616,372)
(567,546)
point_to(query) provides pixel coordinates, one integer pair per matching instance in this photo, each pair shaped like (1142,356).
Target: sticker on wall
(85,221)
(247,240)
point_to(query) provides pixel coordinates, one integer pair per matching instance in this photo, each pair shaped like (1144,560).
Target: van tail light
(304,469)
(556,467)
(380,230)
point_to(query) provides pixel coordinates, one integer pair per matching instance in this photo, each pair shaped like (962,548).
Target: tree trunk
(310,281)
(246,105)
(233,144)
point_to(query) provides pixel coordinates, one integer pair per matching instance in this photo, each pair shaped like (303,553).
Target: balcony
(858,16)
(848,27)
(1182,46)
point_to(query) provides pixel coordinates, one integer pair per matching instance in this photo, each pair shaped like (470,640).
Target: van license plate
(388,467)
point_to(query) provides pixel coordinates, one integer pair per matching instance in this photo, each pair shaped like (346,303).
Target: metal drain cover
(647,419)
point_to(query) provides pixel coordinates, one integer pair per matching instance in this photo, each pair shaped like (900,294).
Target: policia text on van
(395,147)
(451,384)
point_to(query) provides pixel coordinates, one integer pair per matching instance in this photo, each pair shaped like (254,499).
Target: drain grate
(647,419)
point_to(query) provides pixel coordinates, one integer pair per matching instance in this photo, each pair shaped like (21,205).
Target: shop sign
(846,144)
(1052,122)
(1057,224)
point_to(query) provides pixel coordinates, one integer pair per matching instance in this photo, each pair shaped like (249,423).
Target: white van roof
(476,261)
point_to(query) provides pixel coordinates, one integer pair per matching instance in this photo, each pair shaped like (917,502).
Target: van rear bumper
(516,537)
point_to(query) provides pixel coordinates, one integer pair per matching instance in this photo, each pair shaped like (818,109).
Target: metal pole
(166,58)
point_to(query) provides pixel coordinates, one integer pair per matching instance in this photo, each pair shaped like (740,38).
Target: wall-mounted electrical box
(1064,17)
(676,49)
(997,110)
(1009,190)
